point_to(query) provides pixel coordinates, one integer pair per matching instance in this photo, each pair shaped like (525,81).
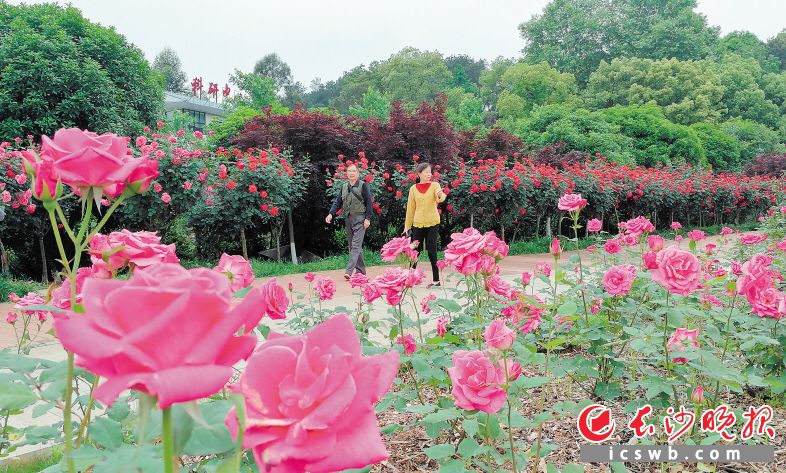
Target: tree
(688,91)
(353,85)
(491,81)
(525,86)
(167,63)
(777,47)
(747,44)
(294,94)
(374,104)
(721,148)
(754,138)
(321,94)
(742,95)
(774,86)
(273,67)
(414,76)
(258,91)
(576,35)
(466,71)
(59,70)
(464,109)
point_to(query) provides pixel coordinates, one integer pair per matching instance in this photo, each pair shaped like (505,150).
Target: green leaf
(183,425)
(106,433)
(619,467)
(555,343)
(440,451)
(533,382)
(119,410)
(468,447)
(568,308)
(449,305)
(470,426)
(391,429)
(212,438)
(452,466)
(425,409)
(442,415)
(572,468)
(42,409)
(16,396)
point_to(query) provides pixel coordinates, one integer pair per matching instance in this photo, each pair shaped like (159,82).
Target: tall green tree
(59,70)
(167,63)
(576,35)
(526,86)
(464,109)
(747,44)
(742,96)
(491,82)
(754,138)
(352,85)
(374,104)
(414,76)
(777,47)
(273,67)
(723,151)
(688,91)
(466,71)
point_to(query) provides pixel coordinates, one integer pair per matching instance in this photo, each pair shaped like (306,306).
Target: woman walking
(423,217)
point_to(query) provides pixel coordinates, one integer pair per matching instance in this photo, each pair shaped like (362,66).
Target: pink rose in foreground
(358,280)
(398,246)
(408,342)
(442,326)
(85,159)
(676,225)
(371,292)
(140,249)
(768,302)
(698,395)
(679,271)
(555,248)
(526,277)
(61,297)
(237,269)
(477,382)
(464,251)
(571,203)
(498,335)
(309,277)
(618,280)
(612,246)
(630,239)
(543,268)
(513,369)
(46,182)
(140,178)
(11,317)
(726,231)
(425,301)
(679,339)
(655,242)
(167,331)
(594,225)
(276,300)
(752,238)
(414,277)
(754,275)
(326,288)
(696,235)
(310,400)
(498,286)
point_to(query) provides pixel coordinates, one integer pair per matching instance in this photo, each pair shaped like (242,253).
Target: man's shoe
(346,276)
(434,284)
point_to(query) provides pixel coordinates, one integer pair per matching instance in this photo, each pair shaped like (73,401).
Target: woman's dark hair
(421,167)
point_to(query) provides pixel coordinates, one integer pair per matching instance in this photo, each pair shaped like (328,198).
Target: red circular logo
(595,423)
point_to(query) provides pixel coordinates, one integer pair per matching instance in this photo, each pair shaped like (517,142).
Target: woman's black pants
(428,235)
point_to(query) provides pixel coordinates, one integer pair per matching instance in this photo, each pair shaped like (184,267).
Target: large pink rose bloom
(464,251)
(477,382)
(754,276)
(276,300)
(310,400)
(571,203)
(397,246)
(594,225)
(237,269)
(679,271)
(618,280)
(638,225)
(679,339)
(167,331)
(498,335)
(326,288)
(141,249)
(85,159)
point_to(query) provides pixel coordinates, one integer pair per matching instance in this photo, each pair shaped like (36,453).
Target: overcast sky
(323,38)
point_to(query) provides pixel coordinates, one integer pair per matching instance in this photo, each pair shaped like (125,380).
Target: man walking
(355,200)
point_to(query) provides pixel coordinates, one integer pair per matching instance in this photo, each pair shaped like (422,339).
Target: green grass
(18,286)
(32,465)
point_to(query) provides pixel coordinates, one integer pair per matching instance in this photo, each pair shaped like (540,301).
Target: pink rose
(310,400)
(698,395)
(414,277)
(655,242)
(237,269)
(513,369)
(498,335)
(371,292)
(31,298)
(679,271)
(408,342)
(6,197)
(326,288)
(618,280)
(543,268)
(496,247)
(498,286)
(464,251)
(768,302)
(358,280)
(594,225)
(11,317)
(639,225)
(679,339)
(424,303)
(46,182)
(140,178)
(276,300)
(442,264)
(477,382)
(85,159)
(678,238)
(630,239)
(442,326)
(526,277)
(676,225)
(167,331)
(398,246)
(166,198)
(726,231)
(571,203)
(141,249)
(754,276)
(696,235)
(309,277)
(612,246)
(61,297)
(555,248)
(752,238)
